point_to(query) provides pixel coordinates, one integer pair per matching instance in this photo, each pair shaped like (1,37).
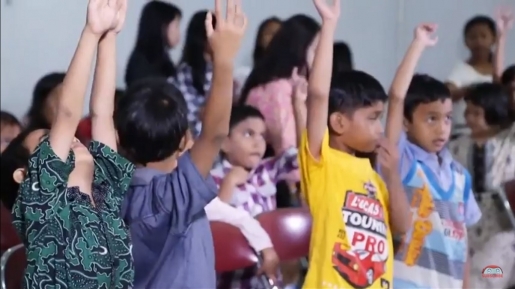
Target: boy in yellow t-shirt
(353,219)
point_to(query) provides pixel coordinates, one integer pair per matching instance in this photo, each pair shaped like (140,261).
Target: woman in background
(44,101)
(158,32)
(480,34)
(195,71)
(266,31)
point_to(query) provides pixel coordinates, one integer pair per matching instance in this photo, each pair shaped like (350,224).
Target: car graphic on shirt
(359,268)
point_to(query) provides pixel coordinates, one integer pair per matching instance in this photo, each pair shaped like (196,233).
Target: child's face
(431,123)
(475,118)
(268,33)
(173,32)
(246,143)
(360,130)
(7,134)
(479,39)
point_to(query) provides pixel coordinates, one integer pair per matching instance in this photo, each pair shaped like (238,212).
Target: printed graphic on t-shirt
(361,252)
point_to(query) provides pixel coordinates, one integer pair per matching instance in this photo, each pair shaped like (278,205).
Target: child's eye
(247,134)
(431,119)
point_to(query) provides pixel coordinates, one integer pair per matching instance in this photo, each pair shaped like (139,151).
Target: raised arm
(320,78)
(300,93)
(225,42)
(71,100)
(423,38)
(104,83)
(504,24)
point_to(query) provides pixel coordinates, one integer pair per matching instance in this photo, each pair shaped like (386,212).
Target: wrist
(329,25)
(87,32)
(223,62)
(269,253)
(501,39)
(418,45)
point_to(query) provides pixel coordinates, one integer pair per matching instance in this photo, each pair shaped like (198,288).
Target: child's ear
(405,124)
(19,175)
(338,122)
(226,145)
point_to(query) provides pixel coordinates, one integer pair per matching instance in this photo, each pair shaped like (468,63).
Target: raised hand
(102,16)
(300,86)
(505,20)
(121,12)
(225,39)
(425,34)
(326,11)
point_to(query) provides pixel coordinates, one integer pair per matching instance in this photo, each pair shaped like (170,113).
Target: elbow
(66,115)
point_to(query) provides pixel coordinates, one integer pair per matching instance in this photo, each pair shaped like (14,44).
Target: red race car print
(359,267)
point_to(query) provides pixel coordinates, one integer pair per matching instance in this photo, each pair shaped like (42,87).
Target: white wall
(40,36)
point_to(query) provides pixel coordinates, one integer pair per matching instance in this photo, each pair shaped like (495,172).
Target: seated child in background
(10,127)
(433,254)
(68,208)
(84,128)
(173,246)
(354,211)
(246,180)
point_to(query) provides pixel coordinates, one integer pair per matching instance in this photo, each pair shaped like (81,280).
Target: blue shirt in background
(433,253)
(171,236)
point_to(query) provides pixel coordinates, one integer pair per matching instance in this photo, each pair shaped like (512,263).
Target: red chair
(289,230)
(13,265)
(232,251)
(8,235)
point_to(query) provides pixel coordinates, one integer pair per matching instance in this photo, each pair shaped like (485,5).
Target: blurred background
(38,37)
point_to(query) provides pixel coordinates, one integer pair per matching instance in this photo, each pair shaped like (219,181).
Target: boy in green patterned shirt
(68,207)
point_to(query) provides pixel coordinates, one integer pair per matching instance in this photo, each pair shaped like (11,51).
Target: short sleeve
(184,193)
(472,212)
(116,169)
(282,165)
(309,166)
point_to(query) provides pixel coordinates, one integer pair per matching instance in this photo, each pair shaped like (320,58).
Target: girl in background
(266,31)
(10,127)
(44,101)
(479,34)
(158,32)
(195,72)
(342,58)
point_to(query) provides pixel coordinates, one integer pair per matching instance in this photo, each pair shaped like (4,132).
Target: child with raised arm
(351,241)
(434,253)
(68,208)
(173,246)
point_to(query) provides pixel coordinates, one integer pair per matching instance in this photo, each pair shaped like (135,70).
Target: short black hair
(351,90)
(494,100)
(42,90)
(424,89)
(508,75)
(6,118)
(242,112)
(151,120)
(480,20)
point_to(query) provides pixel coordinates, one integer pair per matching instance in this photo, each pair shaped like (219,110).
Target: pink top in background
(274,101)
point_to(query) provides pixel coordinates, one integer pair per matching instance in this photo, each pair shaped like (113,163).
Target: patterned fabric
(433,253)
(503,165)
(194,99)
(70,242)
(274,101)
(256,196)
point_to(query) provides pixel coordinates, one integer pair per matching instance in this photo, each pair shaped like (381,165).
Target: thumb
(295,73)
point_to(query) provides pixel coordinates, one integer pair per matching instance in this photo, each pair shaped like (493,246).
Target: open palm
(102,15)
(505,19)
(328,12)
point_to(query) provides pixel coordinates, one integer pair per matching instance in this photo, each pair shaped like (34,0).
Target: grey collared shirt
(171,236)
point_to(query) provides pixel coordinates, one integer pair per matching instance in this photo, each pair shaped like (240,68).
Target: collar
(422,155)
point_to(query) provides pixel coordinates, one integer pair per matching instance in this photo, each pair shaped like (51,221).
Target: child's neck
(166,166)
(333,143)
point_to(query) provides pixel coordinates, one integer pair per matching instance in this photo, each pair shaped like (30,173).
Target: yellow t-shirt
(351,243)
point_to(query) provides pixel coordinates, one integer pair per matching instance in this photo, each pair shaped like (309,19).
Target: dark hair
(152,38)
(351,90)
(286,51)
(258,49)
(151,120)
(195,47)
(15,156)
(241,112)
(424,89)
(118,94)
(342,57)
(7,118)
(508,76)
(494,100)
(480,20)
(42,90)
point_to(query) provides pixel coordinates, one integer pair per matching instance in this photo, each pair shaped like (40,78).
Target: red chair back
(232,251)
(14,262)
(509,189)
(8,236)
(289,230)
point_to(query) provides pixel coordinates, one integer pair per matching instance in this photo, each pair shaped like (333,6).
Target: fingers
(295,74)
(231,11)
(209,23)
(218,11)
